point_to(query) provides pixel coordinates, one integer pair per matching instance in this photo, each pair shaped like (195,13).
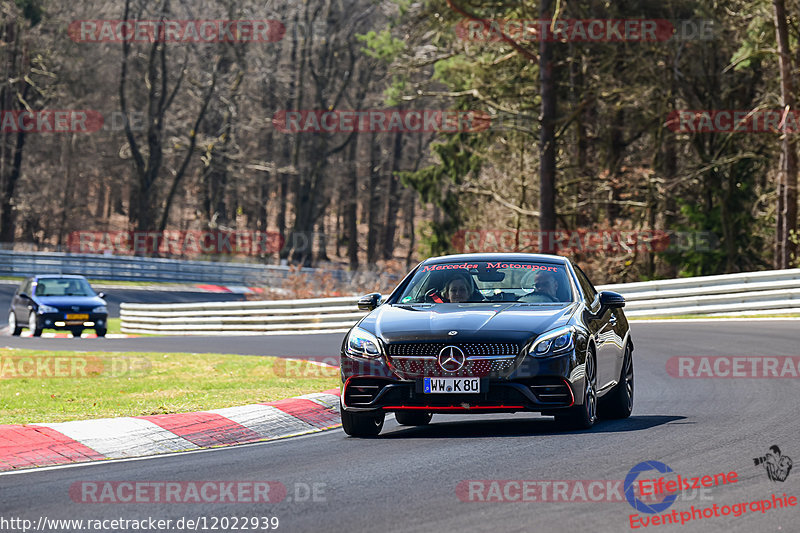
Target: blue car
(57,302)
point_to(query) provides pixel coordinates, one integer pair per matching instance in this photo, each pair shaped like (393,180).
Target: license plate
(77,317)
(451,385)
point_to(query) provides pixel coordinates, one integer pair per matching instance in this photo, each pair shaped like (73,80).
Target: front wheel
(584,416)
(33,325)
(76,332)
(15,328)
(362,424)
(618,403)
(101,332)
(413,418)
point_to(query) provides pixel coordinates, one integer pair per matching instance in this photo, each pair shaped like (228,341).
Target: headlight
(47,309)
(554,342)
(100,309)
(362,344)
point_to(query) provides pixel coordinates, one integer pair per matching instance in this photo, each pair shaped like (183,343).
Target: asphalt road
(317,346)
(407,479)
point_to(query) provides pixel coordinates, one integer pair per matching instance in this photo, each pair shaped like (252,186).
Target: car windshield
(63,287)
(487,281)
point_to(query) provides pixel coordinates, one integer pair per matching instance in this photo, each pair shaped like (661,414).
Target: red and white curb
(235,289)
(31,445)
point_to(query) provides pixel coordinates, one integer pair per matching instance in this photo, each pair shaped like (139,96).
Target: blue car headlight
(361,343)
(47,309)
(555,342)
(100,309)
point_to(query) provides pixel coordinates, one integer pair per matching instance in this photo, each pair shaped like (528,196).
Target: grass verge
(41,386)
(114,325)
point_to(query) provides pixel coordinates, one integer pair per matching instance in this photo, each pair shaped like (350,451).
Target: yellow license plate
(77,317)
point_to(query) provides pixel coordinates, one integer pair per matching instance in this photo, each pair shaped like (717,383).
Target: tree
(149,206)
(18,92)
(786,230)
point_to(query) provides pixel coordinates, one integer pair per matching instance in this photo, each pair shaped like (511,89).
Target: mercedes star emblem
(452,358)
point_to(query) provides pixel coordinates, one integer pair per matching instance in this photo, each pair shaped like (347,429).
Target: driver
(457,290)
(544,282)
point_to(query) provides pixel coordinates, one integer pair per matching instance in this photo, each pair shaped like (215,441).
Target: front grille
(482,359)
(471,349)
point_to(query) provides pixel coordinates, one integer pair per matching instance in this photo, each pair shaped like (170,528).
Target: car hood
(64,301)
(511,321)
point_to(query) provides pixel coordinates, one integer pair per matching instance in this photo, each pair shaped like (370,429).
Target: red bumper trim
(450,407)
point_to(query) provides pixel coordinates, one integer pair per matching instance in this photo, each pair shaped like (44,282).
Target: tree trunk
(373,196)
(547,140)
(12,144)
(786,249)
(351,208)
(390,207)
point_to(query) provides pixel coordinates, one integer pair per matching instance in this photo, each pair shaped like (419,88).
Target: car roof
(541,258)
(58,276)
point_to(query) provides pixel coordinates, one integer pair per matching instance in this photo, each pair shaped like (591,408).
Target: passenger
(545,283)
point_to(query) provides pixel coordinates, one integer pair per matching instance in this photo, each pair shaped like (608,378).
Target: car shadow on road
(508,427)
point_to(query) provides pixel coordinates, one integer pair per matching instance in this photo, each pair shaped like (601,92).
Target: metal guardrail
(241,318)
(130,268)
(750,293)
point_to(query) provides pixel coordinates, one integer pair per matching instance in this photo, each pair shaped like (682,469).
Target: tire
(101,332)
(618,403)
(15,328)
(584,416)
(76,332)
(362,424)
(33,325)
(413,418)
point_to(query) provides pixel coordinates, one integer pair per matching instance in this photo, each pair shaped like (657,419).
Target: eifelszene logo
(630,484)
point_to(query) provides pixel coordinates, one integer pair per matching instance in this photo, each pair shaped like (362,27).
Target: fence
(774,292)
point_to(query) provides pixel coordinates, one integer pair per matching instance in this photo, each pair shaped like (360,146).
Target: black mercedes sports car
(488,333)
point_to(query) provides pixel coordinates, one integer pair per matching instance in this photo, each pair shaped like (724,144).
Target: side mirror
(24,295)
(369,302)
(611,300)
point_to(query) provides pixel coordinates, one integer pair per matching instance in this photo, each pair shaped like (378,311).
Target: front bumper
(60,320)
(539,394)
(534,384)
